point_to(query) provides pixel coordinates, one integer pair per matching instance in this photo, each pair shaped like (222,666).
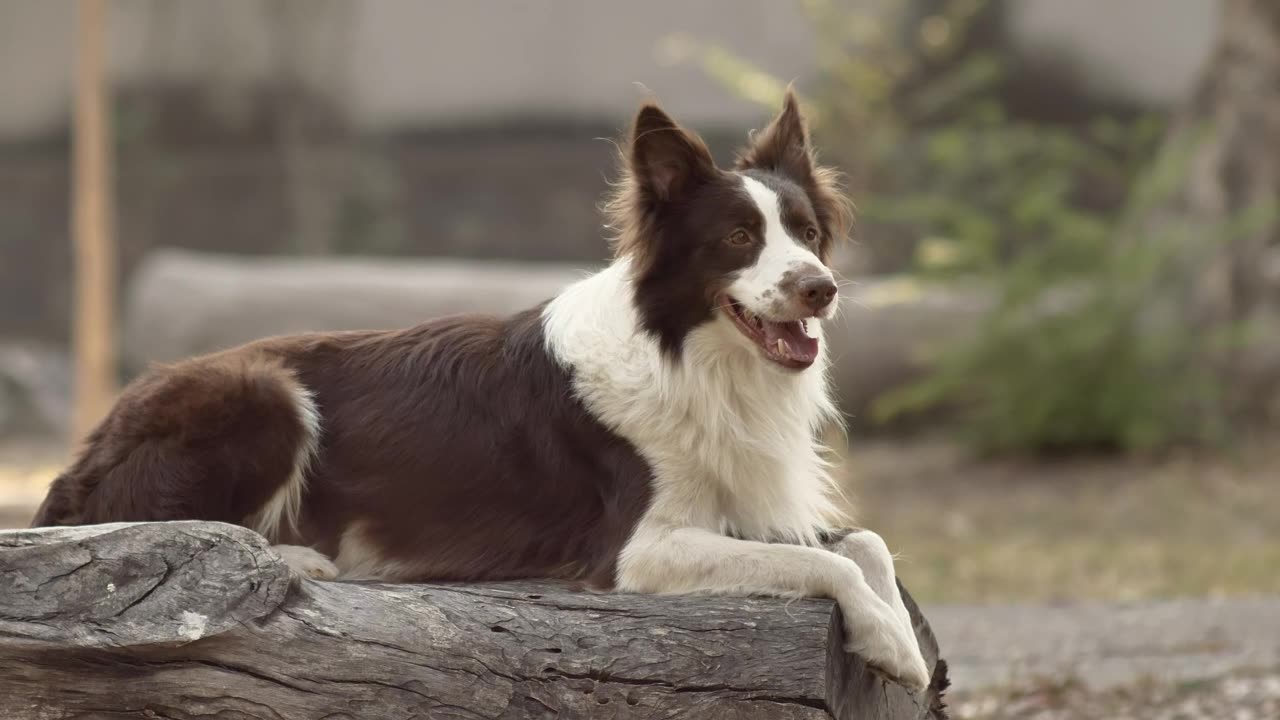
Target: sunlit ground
(968,532)
(26,468)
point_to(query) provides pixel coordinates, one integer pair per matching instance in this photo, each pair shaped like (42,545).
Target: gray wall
(397,63)
(406,63)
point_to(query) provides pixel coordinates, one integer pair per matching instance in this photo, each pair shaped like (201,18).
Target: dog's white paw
(880,640)
(307,562)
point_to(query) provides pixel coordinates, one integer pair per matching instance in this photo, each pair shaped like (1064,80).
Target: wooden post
(93,324)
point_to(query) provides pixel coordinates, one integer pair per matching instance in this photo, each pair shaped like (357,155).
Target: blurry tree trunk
(94,321)
(1229,132)
(1215,190)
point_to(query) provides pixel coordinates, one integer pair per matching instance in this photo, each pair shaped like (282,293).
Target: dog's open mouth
(785,342)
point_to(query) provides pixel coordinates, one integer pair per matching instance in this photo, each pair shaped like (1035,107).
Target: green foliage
(1086,346)
(1087,366)
(1099,354)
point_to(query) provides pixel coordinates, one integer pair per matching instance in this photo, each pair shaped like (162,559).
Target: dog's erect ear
(666,160)
(783,147)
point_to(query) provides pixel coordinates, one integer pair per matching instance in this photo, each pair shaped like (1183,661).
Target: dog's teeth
(782,347)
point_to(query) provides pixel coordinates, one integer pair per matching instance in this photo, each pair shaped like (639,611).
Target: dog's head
(747,247)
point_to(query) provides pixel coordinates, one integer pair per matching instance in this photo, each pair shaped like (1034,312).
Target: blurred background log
(182,303)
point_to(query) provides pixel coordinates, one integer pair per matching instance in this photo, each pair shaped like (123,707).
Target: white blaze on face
(758,287)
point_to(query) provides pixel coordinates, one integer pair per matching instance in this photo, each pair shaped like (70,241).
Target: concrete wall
(1150,51)
(398,63)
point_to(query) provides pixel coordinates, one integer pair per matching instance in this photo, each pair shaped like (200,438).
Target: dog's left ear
(783,147)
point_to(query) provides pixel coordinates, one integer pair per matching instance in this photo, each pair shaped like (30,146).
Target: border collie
(654,428)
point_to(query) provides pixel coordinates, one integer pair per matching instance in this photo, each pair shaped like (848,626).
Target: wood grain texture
(190,619)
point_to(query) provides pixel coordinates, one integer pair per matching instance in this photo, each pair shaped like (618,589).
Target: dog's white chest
(730,441)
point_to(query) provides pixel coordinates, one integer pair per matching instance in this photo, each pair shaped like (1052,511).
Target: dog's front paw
(879,639)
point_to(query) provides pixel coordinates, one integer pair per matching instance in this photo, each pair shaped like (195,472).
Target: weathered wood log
(181,304)
(192,619)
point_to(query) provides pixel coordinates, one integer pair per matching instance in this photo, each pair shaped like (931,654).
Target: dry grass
(1116,530)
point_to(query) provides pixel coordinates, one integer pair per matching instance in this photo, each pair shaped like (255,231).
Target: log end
(856,690)
(127,584)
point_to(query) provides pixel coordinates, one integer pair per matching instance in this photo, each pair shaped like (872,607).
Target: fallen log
(181,304)
(194,619)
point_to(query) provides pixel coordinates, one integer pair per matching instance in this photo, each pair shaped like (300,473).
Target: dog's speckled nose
(816,291)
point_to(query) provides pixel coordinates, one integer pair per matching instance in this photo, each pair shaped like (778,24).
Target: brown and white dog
(654,428)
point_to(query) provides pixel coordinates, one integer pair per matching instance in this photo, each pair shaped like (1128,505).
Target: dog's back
(451,451)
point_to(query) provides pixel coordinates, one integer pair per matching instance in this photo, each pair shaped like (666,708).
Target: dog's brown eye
(811,233)
(739,237)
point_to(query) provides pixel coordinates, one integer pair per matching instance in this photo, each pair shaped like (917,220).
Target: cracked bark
(187,620)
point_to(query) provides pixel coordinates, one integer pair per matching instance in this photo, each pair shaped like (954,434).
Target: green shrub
(1086,346)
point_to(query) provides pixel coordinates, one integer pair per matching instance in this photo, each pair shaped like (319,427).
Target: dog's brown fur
(441,446)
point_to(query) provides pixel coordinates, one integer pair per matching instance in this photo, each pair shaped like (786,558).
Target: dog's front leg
(872,555)
(671,559)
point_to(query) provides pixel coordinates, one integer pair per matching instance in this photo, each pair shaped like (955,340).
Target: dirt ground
(1241,696)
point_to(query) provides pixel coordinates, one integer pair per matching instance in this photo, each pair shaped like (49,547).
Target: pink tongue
(796,345)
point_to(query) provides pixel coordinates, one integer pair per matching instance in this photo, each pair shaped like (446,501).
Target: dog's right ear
(783,147)
(665,159)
